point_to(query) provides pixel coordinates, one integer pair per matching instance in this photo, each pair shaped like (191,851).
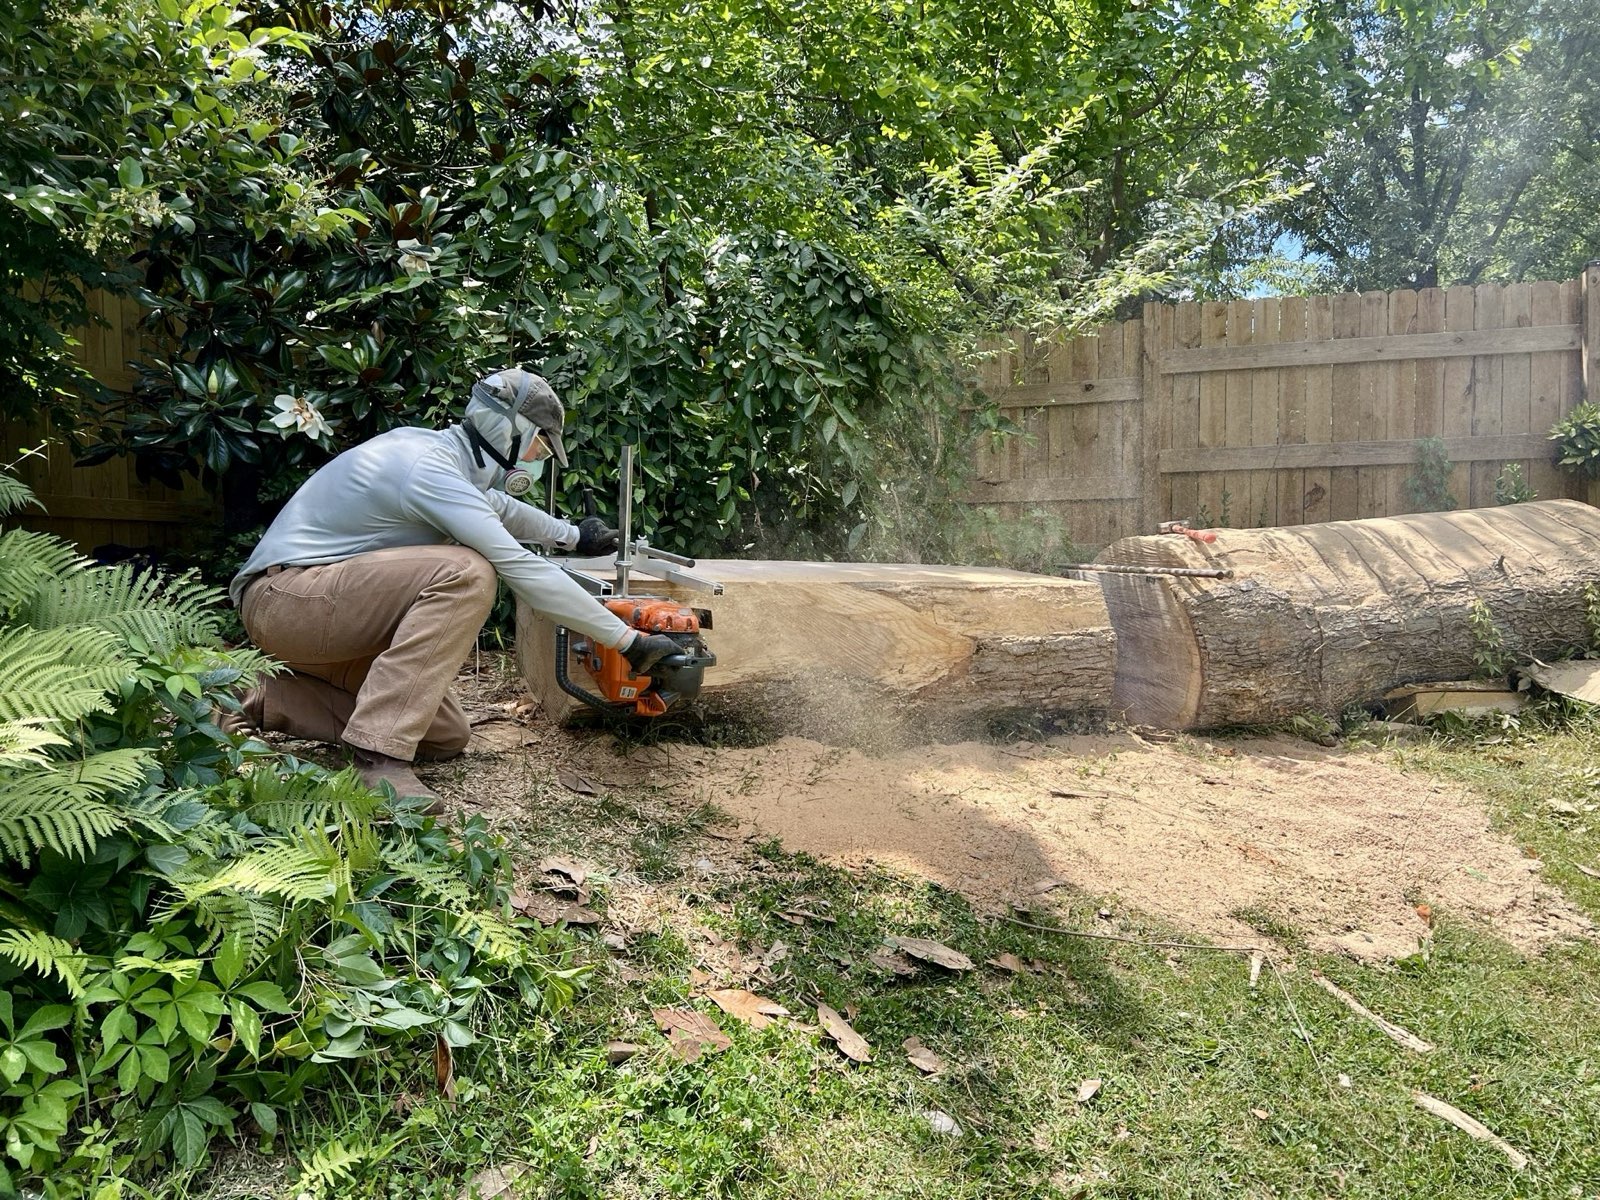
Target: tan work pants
(374,643)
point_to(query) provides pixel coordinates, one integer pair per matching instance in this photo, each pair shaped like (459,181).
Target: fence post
(1590,332)
(1151,414)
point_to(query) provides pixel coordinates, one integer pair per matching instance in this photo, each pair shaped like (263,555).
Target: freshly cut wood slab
(948,642)
(1319,617)
(1466,696)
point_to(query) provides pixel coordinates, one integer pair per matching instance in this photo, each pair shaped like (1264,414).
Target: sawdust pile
(1337,846)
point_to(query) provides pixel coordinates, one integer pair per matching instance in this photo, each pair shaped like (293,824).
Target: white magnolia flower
(300,413)
(415,258)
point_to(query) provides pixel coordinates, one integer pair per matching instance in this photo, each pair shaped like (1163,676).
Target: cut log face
(1319,617)
(938,643)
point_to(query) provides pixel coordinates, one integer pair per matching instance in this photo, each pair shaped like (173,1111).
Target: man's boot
(376,769)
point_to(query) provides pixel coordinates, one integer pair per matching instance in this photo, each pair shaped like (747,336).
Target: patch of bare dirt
(1336,845)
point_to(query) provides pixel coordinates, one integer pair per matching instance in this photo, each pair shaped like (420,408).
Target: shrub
(1577,439)
(196,932)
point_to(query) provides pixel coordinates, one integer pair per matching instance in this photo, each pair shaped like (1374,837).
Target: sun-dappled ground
(1116,1051)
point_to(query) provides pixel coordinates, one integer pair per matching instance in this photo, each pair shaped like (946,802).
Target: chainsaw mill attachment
(677,677)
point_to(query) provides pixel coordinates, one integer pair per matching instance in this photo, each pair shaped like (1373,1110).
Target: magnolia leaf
(921,1057)
(850,1043)
(934,952)
(690,1034)
(755,1011)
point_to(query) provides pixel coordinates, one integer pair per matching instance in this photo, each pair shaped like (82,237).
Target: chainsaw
(608,682)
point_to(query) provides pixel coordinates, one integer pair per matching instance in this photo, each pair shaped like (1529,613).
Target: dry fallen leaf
(851,1043)
(556,865)
(444,1067)
(690,1034)
(1046,885)
(572,781)
(934,952)
(1006,961)
(550,910)
(1426,913)
(1260,1114)
(1089,1089)
(755,1011)
(621,1052)
(698,979)
(892,961)
(921,1057)
(799,916)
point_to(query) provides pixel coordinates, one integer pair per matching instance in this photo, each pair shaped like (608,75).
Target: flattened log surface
(950,643)
(1319,617)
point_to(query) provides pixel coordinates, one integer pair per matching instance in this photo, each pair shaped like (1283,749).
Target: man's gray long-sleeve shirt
(420,487)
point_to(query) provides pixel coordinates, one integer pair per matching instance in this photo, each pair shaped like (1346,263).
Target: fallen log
(1319,617)
(820,646)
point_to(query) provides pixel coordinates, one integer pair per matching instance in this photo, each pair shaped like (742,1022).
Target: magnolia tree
(762,256)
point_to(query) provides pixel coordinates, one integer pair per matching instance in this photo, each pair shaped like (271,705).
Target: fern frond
(283,803)
(15,495)
(493,937)
(444,884)
(257,921)
(161,612)
(28,561)
(298,870)
(44,955)
(59,674)
(439,880)
(22,741)
(329,1167)
(63,805)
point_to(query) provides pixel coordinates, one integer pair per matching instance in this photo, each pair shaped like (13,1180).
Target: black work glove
(595,537)
(648,649)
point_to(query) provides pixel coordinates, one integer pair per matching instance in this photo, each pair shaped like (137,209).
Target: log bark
(822,647)
(1319,617)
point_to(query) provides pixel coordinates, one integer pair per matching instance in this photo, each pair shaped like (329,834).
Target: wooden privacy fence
(1289,410)
(107,504)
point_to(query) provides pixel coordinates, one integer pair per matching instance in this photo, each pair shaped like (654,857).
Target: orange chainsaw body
(612,675)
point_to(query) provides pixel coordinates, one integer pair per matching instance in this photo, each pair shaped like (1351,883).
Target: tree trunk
(828,648)
(1320,617)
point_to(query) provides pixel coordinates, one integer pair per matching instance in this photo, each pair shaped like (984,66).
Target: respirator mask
(514,417)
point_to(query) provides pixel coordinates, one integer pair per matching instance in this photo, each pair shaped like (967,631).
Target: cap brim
(556,448)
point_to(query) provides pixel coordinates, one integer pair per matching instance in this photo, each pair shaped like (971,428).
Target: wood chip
(1256,959)
(1006,961)
(755,1011)
(574,782)
(921,1057)
(934,952)
(1089,1089)
(1403,1036)
(1260,1114)
(621,1052)
(1470,1126)
(850,1043)
(690,1034)
(1045,885)
(1589,871)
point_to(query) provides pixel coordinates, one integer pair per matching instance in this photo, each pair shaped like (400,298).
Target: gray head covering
(523,399)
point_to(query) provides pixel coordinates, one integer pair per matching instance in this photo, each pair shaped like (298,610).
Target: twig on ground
(1470,1126)
(1403,1036)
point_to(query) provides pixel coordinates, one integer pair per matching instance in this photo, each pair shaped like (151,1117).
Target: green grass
(1209,1087)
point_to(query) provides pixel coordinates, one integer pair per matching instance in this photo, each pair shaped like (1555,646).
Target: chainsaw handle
(589,508)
